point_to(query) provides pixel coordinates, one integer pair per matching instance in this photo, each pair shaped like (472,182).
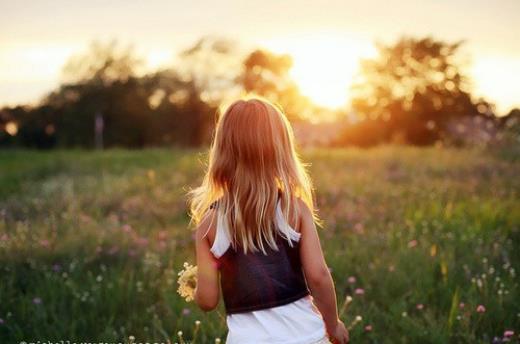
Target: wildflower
(140,241)
(359,228)
(163,235)
(356,320)
(509,333)
(351,280)
(481,309)
(186,311)
(197,323)
(412,243)
(404,314)
(368,328)
(2,321)
(217,340)
(113,250)
(127,228)
(187,282)
(433,250)
(56,268)
(359,291)
(151,175)
(420,306)
(461,305)
(37,300)
(348,300)
(44,243)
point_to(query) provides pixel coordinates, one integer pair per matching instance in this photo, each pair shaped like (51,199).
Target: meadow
(423,242)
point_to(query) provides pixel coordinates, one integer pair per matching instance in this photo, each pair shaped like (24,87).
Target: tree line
(413,92)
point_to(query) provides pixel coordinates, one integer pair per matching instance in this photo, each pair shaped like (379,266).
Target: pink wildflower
(37,300)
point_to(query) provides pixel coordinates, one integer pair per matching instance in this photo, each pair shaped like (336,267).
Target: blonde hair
(252,161)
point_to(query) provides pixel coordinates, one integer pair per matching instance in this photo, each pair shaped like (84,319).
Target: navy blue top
(256,281)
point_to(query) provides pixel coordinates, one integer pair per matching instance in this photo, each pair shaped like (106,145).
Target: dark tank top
(256,281)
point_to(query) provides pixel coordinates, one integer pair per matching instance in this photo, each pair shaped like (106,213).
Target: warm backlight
(324,64)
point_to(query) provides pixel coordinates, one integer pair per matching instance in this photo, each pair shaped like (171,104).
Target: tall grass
(419,238)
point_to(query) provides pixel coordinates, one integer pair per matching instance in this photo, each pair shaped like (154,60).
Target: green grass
(91,243)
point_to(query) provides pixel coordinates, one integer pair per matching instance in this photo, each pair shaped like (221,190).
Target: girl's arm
(318,275)
(207,291)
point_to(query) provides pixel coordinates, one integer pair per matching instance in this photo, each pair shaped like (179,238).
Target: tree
(411,92)
(267,74)
(103,64)
(211,67)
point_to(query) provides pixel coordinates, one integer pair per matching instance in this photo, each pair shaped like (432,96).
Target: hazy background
(37,37)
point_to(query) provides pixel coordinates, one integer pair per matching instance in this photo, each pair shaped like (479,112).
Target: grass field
(425,241)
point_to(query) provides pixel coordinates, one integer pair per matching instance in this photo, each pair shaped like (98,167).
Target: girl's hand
(339,334)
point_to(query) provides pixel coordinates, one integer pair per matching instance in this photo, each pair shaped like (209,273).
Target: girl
(256,230)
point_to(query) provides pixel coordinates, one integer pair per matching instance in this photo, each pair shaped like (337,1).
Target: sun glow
(324,64)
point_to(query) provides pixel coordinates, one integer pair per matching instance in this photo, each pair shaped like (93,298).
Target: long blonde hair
(252,161)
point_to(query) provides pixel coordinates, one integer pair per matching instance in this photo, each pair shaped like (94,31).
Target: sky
(325,38)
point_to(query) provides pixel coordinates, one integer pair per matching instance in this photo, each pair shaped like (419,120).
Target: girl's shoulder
(296,213)
(207,227)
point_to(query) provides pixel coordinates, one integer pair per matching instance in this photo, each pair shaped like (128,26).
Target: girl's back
(256,237)
(265,293)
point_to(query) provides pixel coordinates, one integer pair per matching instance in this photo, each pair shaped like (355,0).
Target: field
(425,241)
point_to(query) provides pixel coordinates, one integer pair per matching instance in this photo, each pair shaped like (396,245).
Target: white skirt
(298,322)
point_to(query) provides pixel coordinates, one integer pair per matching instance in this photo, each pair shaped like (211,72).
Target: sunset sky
(325,38)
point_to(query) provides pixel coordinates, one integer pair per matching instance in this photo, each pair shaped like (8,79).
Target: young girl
(256,230)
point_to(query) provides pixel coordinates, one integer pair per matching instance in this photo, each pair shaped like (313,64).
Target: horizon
(33,55)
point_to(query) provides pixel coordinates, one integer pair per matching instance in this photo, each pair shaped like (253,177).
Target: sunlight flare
(324,64)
